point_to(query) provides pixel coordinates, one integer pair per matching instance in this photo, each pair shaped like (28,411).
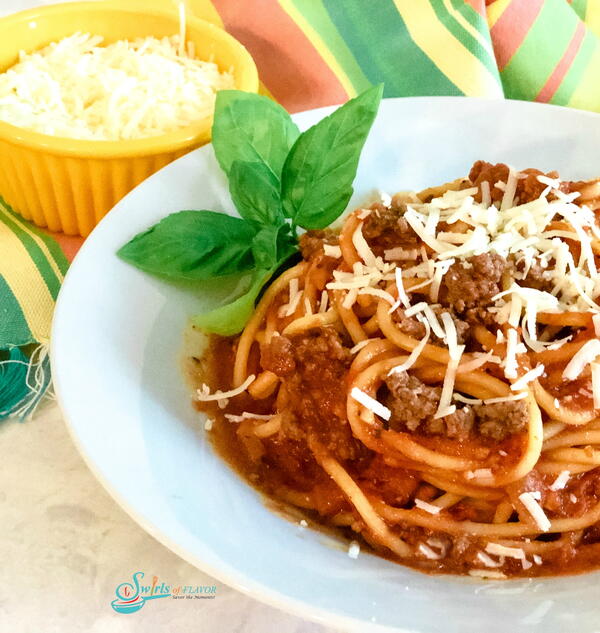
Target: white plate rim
(233,578)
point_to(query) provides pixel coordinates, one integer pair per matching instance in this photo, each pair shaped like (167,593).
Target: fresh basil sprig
(192,245)
(279,180)
(320,168)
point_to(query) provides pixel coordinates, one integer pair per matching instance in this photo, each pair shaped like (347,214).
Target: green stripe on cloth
(316,14)
(41,260)
(467,39)
(13,326)
(580,7)
(578,67)
(385,50)
(543,47)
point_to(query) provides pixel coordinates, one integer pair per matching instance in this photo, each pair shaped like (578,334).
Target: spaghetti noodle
(425,377)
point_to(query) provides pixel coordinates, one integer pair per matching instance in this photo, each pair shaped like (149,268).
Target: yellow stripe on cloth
(460,18)
(27,285)
(592,16)
(38,240)
(587,93)
(320,46)
(495,10)
(461,67)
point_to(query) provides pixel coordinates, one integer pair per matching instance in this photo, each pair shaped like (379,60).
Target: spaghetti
(426,378)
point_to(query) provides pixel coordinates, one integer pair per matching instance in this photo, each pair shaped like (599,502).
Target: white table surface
(65,544)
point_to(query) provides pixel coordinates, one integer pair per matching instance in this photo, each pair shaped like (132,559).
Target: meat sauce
(313,370)
(285,471)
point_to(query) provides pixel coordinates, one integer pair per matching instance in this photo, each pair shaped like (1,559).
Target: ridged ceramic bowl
(68,184)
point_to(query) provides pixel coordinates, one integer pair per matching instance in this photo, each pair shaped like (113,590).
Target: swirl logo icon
(131,596)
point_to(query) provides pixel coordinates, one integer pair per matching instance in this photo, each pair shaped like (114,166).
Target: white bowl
(117,340)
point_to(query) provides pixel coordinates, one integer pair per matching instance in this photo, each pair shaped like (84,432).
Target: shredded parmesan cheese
(502,550)
(295,296)
(377,292)
(465,400)
(428,552)
(350,298)
(362,248)
(78,88)
(480,473)
(246,415)
(362,344)
(517,396)
(479,360)
(561,480)
(488,561)
(398,254)
(332,250)
(427,507)
(324,301)
(203,394)
(510,363)
(402,296)
(445,407)
(414,355)
(509,190)
(596,322)
(584,356)
(527,377)
(535,510)
(354,550)
(486,198)
(595,369)
(370,403)
(487,573)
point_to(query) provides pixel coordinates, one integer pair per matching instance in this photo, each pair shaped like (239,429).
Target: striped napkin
(312,53)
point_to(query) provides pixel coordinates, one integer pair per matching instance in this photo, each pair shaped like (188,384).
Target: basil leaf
(251,128)
(287,244)
(255,191)
(193,245)
(232,317)
(264,247)
(317,176)
(273,244)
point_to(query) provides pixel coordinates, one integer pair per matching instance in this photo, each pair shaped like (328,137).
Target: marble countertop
(65,544)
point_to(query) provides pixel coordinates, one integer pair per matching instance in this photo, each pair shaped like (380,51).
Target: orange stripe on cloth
(478,5)
(69,244)
(512,27)
(494,9)
(558,74)
(287,62)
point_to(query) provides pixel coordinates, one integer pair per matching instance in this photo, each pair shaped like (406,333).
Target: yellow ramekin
(67,184)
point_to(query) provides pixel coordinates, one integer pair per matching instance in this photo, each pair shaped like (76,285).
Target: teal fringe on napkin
(24,380)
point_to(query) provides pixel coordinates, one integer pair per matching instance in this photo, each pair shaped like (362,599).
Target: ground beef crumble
(528,188)
(500,419)
(415,328)
(311,242)
(313,369)
(386,228)
(413,405)
(470,285)
(411,401)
